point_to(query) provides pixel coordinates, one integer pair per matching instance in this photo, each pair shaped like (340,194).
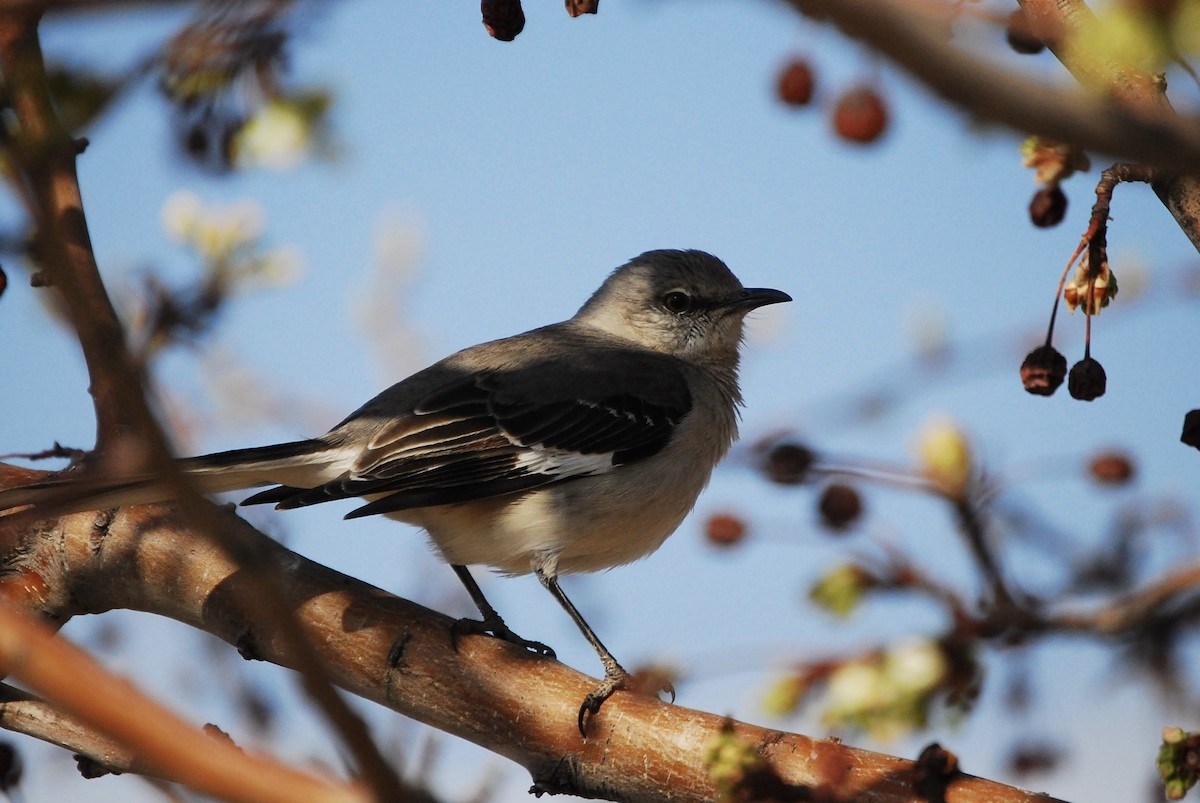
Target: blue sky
(522,173)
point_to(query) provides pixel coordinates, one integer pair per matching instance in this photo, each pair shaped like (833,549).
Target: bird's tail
(300,463)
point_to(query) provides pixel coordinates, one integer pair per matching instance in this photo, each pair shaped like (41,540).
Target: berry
(1087,380)
(860,115)
(789,463)
(652,679)
(1048,207)
(795,84)
(1035,757)
(839,506)
(1191,429)
(1020,35)
(1111,468)
(1043,371)
(195,141)
(579,7)
(724,529)
(504,19)
(11,769)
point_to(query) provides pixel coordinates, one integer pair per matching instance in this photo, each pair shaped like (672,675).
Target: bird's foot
(497,629)
(616,678)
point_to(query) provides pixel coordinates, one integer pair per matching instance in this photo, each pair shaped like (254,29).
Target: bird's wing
(493,433)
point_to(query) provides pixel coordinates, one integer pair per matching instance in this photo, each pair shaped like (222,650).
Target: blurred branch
(1137,609)
(1134,123)
(135,733)
(38,6)
(398,654)
(22,712)
(917,42)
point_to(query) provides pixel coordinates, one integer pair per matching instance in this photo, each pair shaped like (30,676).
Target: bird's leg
(615,676)
(491,624)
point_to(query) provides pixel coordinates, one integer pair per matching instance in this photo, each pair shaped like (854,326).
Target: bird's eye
(677,301)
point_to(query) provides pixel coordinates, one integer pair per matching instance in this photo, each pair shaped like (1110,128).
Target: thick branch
(993,94)
(1180,194)
(399,654)
(1138,126)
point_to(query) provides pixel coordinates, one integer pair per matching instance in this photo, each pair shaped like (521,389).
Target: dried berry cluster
(1091,289)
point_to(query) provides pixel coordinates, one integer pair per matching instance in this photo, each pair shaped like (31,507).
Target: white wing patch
(563,463)
(627,415)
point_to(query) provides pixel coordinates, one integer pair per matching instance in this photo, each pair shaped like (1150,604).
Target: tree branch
(1135,610)
(1056,21)
(128,435)
(399,654)
(162,744)
(1132,122)
(46,155)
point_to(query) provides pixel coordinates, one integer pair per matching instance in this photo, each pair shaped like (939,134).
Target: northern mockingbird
(572,448)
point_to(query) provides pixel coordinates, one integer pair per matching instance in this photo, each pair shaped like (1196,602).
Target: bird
(574,447)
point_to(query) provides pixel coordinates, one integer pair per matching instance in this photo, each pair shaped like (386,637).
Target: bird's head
(684,303)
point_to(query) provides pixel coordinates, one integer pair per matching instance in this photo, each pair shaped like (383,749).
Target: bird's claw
(497,629)
(618,679)
(596,697)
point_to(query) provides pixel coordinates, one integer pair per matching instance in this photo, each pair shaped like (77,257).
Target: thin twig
(1134,610)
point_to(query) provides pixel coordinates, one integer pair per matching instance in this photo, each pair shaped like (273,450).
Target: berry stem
(1087,315)
(1062,283)
(1098,228)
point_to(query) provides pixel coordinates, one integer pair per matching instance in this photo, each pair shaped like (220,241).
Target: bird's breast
(585,524)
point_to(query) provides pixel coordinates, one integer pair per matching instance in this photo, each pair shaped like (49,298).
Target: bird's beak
(755,297)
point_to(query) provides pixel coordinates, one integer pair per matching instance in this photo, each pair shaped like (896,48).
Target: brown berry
(195,141)
(839,506)
(795,83)
(89,768)
(1048,207)
(577,8)
(860,115)
(789,463)
(1020,35)
(652,679)
(504,19)
(933,767)
(11,768)
(1043,371)
(1111,468)
(724,529)
(1191,429)
(1034,757)
(1087,380)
